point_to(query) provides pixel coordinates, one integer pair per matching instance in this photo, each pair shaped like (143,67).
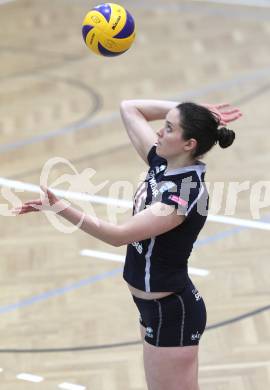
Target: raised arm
(136,114)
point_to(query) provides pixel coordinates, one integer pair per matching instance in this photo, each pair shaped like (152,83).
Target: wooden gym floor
(68,318)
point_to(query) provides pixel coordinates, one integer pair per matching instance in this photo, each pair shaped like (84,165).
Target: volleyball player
(170,209)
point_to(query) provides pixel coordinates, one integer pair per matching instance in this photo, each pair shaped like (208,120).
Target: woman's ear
(190,145)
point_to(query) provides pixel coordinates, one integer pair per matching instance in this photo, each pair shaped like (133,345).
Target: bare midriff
(147,295)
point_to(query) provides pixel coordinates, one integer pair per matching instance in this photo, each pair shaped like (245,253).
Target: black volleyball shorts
(176,320)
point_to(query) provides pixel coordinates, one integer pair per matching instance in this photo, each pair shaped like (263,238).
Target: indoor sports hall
(67,318)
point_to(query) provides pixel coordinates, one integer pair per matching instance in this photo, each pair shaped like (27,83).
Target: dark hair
(203,125)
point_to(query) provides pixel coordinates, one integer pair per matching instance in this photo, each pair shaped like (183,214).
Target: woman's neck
(179,162)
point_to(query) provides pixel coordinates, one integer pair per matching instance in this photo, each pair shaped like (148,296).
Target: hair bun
(225,137)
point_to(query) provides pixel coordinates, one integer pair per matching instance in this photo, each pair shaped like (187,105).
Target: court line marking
(245,99)
(91,280)
(248,3)
(30,377)
(102,255)
(70,386)
(90,123)
(239,222)
(59,291)
(88,117)
(119,258)
(128,343)
(100,277)
(2,2)
(126,204)
(235,366)
(13,0)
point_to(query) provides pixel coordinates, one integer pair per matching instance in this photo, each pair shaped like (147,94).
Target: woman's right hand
(225,112)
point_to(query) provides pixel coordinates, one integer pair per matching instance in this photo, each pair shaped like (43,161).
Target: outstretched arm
(153,221)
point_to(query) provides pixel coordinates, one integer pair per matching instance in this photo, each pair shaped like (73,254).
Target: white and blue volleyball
(108,30)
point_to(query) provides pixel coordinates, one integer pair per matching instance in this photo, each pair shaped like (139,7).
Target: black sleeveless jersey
(159,263)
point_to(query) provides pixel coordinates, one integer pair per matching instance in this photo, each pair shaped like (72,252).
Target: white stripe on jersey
(148,264)
(196,200)
(199,174)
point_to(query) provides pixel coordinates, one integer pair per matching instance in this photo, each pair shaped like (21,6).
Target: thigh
(143,331)
(171,368)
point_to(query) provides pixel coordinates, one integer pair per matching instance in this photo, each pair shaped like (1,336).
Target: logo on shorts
(138,247)
(195,336)
(196,294)
(149,332)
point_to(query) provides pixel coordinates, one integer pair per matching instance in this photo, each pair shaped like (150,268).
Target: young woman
(170,209)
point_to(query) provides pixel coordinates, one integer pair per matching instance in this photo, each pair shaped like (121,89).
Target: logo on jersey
(138,247)
(153,183)
(155,186)
(196,294)
(149,332)
(178,200)
(160,169)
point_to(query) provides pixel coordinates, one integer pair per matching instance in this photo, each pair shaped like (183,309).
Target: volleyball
(108,30)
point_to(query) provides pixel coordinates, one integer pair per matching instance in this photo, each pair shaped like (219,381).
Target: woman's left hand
(225,112)
(49,202)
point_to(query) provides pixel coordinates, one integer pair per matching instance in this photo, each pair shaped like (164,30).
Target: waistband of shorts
(142,300)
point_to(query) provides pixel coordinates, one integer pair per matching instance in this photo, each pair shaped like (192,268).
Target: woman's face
(170,137)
